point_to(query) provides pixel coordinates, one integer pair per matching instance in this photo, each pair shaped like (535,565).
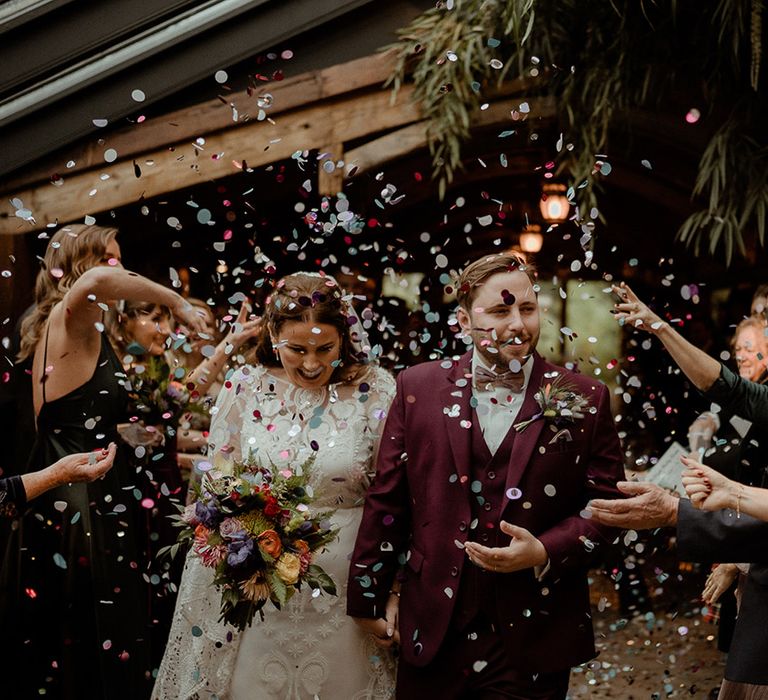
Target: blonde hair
(757,321)
(72,250)
(475,274)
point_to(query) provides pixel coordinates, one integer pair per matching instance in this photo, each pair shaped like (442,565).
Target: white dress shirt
(497,407)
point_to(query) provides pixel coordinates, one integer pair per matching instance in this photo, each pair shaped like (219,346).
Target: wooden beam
(214,115)
(330,177)
(218,155)
(413,137)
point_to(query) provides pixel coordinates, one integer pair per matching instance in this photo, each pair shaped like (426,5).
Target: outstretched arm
(699,367)
(84,301)
(81,466)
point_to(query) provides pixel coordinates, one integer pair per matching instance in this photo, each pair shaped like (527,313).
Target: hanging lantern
(554,204)
(531,239)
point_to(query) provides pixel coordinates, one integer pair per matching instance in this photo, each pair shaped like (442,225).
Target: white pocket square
(564,435)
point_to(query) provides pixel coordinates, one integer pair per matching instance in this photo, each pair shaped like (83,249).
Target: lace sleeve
(381,395)
(224,446)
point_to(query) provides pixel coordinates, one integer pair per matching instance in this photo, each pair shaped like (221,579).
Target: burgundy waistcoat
(488,474)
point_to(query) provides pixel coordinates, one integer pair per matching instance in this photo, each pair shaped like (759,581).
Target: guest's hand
(708,489)
(701,432)
(650,506)
(718,582)
(523,552)
(245,327)
(378,629)
(189,316)
(631,311)
(139,435)
(84,466)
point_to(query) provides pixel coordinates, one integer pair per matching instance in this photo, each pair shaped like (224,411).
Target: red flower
(271,507)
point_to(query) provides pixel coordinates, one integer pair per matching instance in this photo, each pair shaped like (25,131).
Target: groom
(474,514)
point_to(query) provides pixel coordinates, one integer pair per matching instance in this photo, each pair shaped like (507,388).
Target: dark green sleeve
(13,497)
(741,397)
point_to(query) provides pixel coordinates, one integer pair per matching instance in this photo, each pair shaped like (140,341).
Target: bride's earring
(274,349)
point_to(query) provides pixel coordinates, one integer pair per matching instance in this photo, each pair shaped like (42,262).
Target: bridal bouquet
(254,528)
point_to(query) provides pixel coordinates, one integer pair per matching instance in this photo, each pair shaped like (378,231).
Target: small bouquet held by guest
(254,527)
(156,401)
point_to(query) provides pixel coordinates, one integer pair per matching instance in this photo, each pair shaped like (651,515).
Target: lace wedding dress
(310,649)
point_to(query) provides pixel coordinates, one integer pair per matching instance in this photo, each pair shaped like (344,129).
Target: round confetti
(138,96)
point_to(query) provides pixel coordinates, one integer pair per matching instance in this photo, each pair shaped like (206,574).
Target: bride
(313,390)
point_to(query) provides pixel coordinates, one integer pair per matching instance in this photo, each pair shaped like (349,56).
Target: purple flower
(239,551)
(190,515)
(207,514)
(232,529)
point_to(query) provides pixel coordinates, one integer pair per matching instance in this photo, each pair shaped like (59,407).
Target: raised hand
(633,312)
(523,552)
(245,327)
(189,316)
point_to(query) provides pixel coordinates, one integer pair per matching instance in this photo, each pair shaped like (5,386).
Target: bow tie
(509,380)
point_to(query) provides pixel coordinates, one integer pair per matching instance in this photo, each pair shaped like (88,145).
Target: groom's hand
(523,552)
(380,630)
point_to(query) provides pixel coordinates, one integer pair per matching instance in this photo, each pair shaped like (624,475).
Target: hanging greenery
(601,59)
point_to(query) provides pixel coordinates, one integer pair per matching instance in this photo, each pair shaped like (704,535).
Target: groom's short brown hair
(480,270)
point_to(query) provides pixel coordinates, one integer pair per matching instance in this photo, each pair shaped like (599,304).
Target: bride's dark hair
(317,299)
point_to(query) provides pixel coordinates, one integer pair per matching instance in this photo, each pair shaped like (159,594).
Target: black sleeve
(746,399)
(720,536)
(13,497)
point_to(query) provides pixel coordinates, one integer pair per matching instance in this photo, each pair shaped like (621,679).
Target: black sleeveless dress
(81,627)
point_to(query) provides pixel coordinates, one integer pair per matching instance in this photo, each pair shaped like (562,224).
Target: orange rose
(201,534)
(269,543)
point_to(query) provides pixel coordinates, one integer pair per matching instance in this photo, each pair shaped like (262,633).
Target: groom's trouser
(472,664)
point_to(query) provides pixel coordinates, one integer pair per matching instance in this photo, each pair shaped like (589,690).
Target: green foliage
(317,578)
(602,60)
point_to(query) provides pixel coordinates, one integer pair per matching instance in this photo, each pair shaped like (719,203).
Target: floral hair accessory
(558,403)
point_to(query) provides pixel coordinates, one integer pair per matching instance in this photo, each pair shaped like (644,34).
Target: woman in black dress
(76,602)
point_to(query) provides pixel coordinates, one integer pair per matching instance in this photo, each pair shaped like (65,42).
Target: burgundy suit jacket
(417,515)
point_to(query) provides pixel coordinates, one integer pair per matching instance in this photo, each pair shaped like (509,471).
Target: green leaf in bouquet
(316,574)
(240,614)
(170,551)
(279,589)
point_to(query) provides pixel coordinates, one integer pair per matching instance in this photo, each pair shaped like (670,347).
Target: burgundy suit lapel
(457,411)
(525,441)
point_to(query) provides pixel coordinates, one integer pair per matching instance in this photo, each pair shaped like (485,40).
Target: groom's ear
(463,317)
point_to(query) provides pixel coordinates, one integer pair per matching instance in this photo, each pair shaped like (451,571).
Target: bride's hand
(392,616)
(378,629)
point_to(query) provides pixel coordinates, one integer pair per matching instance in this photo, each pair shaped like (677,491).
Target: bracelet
(397,593)
(738,500)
